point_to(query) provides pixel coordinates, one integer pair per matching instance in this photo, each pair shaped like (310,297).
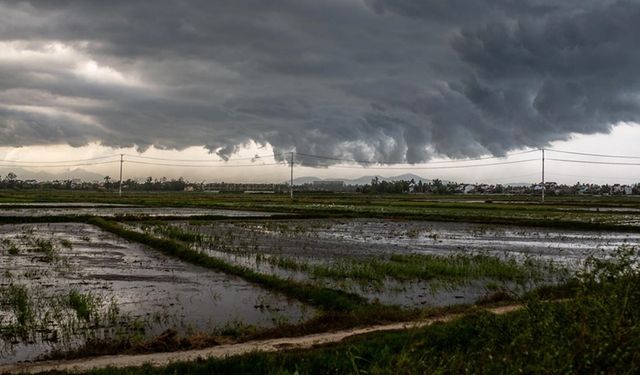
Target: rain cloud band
(380,80)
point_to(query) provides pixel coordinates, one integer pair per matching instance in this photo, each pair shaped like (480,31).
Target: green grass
(10,246)
(18,300)
(175,233)
(46,248)
(83,304)
(66,243)
(458,267)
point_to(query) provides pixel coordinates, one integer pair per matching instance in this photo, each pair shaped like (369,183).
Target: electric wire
(57,166)
(59,161)
(591,154)
(366,164)
(590,162)
(201,160)
(200,165)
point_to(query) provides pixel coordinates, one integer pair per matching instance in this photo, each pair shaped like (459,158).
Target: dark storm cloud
(378,79)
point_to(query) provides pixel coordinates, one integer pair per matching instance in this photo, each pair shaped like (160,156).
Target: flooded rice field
(365,238)
(110,210)
(64,284)
(373,257)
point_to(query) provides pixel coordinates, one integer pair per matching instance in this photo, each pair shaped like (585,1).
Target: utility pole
(291,183)
(120,186)
(543,186)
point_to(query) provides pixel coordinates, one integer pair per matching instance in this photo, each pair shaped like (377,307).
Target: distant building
(469,189)
(412,186)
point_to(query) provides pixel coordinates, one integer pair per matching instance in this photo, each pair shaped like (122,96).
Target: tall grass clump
(46,248)
(83,304)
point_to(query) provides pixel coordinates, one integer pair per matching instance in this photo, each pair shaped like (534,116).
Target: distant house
(75,183)
(412,187)
(468,189)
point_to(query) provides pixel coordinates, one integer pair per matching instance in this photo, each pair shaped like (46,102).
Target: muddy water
(147,287)
(121,210)
(364,238)
(330,241)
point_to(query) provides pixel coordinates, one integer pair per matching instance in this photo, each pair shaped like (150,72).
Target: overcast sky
(376,80)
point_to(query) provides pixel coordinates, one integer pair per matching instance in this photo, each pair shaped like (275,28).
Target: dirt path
(221,351)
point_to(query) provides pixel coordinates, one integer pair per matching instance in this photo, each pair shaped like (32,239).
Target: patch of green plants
(457,267)
(176,233)
(18,300)
(85,305)
(10,246)
(66,243)
(46,248)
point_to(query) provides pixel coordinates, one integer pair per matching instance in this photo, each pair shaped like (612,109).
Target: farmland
(92,274)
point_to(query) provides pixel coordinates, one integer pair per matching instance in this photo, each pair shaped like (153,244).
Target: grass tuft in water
(83,304)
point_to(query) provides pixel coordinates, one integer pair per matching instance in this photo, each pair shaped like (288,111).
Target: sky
(411,82)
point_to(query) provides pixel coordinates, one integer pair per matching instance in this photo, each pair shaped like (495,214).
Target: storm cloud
(391,80)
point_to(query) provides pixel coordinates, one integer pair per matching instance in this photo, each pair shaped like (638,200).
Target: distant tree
(107,182)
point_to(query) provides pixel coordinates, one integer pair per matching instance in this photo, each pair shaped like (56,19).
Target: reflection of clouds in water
(444,238)
(143,283)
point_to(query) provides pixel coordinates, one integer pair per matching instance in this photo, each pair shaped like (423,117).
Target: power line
(201,160)
(57,166)
(223,163)
(592,176)
(200,165)
(591,162)
(59,161)
(596,155)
